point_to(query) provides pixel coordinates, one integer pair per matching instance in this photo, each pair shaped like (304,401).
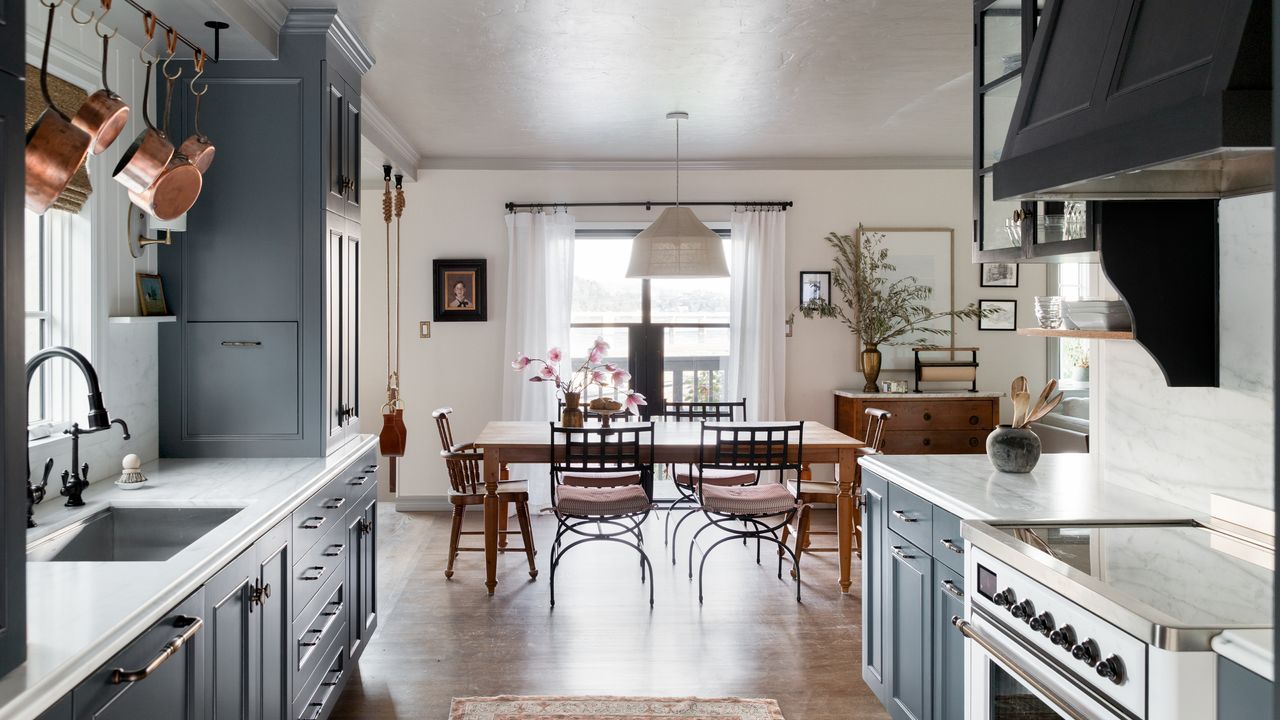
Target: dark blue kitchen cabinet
(362,528)
(175,689)
(62,710)
(948,644)
(874,528)
(1243,694)
(909,623)
(12,37)
(273,620)
(255,255)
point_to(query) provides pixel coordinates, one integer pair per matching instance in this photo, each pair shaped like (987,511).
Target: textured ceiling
(591,80)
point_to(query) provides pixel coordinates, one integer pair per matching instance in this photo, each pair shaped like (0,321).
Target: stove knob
(1004,598)
(1064,637)
(1086,652)
(1023,610)
(1112,669)
(1042,623)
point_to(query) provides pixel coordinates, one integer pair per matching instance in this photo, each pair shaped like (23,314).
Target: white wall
(125,356)
(1186,443)
(459,213)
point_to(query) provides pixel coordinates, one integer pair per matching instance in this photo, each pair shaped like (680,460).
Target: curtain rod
(648,205)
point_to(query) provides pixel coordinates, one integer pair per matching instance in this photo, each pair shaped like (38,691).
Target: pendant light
(677,244)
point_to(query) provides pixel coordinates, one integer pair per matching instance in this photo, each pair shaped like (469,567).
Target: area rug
(534,707)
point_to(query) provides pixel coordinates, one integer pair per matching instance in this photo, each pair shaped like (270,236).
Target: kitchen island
(83,614)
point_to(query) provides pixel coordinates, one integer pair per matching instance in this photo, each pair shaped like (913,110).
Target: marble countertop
(1252,649)
(80,614)
(924,395)
(1062,487)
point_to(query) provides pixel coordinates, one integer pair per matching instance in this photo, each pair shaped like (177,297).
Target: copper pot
(104,114)
(174,192)
(55,148)
(151,151)
(198,147)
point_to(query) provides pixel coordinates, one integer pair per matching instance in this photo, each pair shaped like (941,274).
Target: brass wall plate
(424,329)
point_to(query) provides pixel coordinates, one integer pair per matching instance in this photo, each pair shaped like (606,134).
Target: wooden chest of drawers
(924,423)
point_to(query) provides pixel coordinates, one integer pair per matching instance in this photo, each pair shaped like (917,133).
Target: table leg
(844,514)
(492,471)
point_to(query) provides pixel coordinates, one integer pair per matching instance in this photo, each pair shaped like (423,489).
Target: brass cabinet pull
(312,522)
(192,626)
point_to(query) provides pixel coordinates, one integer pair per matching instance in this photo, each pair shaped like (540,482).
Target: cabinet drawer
(949,414)
(317,626)
(320,514)
(241,380)
(360,478)
(948,546)
(325,559)
(911,516)
(318,694)
(929,442)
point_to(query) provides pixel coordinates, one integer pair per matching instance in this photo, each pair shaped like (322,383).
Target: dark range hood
(1125,99)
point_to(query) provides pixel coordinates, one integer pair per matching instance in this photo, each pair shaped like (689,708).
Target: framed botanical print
(461,291)
(151,295)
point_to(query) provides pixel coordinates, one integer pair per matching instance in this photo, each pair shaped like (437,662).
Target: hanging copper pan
(178,186)
(151,151)
(55,148)
(104,114)
(198,147)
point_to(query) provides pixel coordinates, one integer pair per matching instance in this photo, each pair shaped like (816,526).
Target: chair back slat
(760,447)
(705,411)
(874,436)
(622,448)
(463,465)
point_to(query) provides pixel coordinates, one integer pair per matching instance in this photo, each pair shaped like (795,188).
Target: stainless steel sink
(130,534)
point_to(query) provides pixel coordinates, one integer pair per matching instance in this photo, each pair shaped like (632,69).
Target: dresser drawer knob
(928,416)
(973,442)
(973,419)
(926,442)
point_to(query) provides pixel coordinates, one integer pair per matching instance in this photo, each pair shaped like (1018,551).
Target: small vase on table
(871,367)
(572,415)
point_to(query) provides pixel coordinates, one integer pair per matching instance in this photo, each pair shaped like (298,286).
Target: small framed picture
(998,315)
(815,285)
(999,275)
(151,295)
(460,290)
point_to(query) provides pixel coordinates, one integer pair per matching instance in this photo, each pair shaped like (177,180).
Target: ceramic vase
(1013,450)
(871,367)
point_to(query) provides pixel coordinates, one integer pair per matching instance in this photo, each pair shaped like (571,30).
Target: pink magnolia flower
(596,354)
(547,373)
(521,362)
(610,367)
(599,377)
(554,355)
(634,401)
(620,376)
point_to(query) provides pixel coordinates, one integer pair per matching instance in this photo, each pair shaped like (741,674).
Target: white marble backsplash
(1184,444)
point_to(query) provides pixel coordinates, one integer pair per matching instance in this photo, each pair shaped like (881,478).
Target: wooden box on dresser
(925,423)
(265,281)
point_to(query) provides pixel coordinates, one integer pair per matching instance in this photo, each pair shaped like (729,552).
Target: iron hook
(97,26)
(171,43)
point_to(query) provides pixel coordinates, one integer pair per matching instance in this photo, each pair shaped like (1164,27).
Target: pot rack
(216,26)
(649,205)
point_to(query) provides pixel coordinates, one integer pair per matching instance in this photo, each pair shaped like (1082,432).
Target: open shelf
(1086,334)
(141,319)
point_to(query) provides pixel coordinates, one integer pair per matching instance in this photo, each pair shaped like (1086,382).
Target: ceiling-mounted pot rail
(649,205)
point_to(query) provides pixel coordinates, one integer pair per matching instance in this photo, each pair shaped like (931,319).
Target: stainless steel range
(1105,620)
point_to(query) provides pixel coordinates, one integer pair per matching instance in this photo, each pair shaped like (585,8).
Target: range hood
(1125,99)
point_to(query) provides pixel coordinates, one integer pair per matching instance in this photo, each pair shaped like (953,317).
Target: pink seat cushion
(687,475)
(765,499)
(596,501)
(816,488)
(599,478)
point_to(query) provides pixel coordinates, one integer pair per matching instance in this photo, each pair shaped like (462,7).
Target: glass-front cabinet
(1012,231)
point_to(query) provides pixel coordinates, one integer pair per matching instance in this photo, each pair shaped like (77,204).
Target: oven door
(1008,680)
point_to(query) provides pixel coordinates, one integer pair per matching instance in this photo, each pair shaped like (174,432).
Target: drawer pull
(190,627)
(950,588)
(358,480)
(312,578)
(948,544)
(310,643)
(371,468)
(312,523)
(928,417)
(334,503)
(973,442)
(902,515)
(973,420)
(897,551)
(334,550)
(316,708)
(337,610)
(337,676)
(241,343)
(927,442)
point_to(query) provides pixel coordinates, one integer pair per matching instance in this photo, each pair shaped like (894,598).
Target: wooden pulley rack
(394,436)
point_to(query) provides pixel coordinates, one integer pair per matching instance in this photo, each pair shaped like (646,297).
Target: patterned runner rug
(533,707)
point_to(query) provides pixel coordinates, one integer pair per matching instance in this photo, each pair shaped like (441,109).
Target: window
(1069,357)
(672,335)
(57,275)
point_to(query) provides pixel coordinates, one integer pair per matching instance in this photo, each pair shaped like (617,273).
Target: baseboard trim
(423,503)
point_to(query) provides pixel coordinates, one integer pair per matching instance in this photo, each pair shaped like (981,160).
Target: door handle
(241,343)
(951,589)
(192,626)
(1027,676)
(897,551)
(902,515)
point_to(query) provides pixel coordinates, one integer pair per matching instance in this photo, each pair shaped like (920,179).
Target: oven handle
(966,628)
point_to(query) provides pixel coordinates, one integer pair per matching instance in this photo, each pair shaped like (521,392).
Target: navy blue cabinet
(1243,694)
(948,644)
(874,522)
(909,622)
(12,37)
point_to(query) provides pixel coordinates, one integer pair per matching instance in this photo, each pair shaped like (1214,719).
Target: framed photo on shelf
(460,290)
(151,295)
(815,285)
(998,274)
(1003,317)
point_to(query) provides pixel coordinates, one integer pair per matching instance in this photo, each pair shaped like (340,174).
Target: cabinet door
(12,37)
(13,421)
(334,313)
(335,160)
(233,635)
(176,689)
(909,617)
(874,526)
(273,620)
(352,152)
(241,380)
(351,324)
(362,532)
(948,644)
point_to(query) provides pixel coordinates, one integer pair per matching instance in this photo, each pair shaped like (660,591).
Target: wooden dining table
(529,442)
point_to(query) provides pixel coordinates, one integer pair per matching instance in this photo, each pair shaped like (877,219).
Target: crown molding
(851,163)
(384,135)
(328,21)
(273,12)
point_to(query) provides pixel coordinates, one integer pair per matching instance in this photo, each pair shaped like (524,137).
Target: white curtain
(757,320)
(539,302)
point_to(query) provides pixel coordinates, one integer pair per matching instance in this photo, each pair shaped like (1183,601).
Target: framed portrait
(815,285)
(460,289)
(928,255)
(1003,317)
(151,295)
(998,274)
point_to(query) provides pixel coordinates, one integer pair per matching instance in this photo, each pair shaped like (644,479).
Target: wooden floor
(438,639)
